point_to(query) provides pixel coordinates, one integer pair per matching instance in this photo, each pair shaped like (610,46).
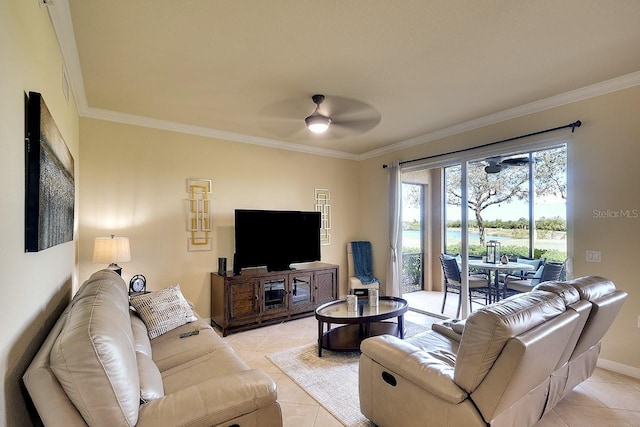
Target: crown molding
(60,15)
(130,119)
(597,89)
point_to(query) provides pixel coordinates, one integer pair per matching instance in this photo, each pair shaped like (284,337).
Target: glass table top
(338,309)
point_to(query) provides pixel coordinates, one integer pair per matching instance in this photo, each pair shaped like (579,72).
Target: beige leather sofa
(506,365)
(98,367)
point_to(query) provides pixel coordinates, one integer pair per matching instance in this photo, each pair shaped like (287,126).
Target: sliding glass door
(517,200)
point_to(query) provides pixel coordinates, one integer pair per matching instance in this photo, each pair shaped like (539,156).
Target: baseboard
(618,368)
(427,313)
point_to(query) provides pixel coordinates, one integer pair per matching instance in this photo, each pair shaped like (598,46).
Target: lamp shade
(111,250)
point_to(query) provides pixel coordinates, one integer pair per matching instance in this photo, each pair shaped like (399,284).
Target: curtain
(392,285)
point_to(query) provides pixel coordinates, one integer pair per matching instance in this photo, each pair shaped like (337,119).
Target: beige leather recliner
(598,303)
(498,372)
(593,302)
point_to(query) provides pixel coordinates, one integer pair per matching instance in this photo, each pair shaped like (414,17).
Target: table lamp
(112,250)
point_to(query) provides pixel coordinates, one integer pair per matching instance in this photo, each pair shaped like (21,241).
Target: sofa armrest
(431,371)
(211,402)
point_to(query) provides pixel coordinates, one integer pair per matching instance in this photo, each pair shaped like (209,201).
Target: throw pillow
(534,263)
(163,311)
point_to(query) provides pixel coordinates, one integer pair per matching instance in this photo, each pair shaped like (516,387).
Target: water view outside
(553,247)
(411,238)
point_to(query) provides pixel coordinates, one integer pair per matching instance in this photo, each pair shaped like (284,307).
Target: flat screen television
(275,239)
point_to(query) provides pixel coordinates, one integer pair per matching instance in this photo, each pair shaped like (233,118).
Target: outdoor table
(496,268)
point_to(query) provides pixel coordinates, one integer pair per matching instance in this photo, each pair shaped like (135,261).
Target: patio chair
(478,283)
(535,264)
(550,271)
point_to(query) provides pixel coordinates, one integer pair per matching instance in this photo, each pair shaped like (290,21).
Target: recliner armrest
(451,328)
(211,402)
(431,371)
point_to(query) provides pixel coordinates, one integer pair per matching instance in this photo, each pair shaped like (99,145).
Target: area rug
(332,380)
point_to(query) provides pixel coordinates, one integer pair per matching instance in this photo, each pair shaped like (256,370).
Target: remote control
(188,334)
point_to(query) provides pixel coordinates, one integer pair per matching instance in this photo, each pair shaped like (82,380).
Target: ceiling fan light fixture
(317,123)
(493,168)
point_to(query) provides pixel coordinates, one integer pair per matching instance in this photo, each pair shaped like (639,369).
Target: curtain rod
(573,127)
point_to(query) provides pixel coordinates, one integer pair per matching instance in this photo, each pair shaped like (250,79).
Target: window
(518,200)
(412,237)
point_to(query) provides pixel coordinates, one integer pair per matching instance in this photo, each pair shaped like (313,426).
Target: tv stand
(257,298)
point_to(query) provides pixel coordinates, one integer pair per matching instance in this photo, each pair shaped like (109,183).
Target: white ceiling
(245,70)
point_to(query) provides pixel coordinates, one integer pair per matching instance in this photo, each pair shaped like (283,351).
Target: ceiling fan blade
(357,125)
(338,106)
(292,108)
(516,161)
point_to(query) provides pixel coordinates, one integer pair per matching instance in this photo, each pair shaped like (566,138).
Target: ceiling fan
(333,117)
(496,164)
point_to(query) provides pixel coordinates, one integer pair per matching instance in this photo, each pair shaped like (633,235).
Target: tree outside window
(499,203)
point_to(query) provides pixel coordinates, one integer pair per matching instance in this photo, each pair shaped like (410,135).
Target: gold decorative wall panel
(323,197)
(199,215)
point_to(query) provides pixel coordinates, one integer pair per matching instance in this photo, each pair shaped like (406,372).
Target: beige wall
(35,286)
(603,173)
(134,184)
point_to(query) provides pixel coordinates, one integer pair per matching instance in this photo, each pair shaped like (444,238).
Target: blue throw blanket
(362,262)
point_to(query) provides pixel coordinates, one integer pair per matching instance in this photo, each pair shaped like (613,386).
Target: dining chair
(550,271)
(535,263)
(478,283)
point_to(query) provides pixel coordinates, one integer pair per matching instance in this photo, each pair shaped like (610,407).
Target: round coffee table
(358,325)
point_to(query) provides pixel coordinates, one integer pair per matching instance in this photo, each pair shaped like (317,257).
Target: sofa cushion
(151,386)
(593,287)
(163,310)
(434,342)
(211,365)
(170,350)
(564,290)
(93,357)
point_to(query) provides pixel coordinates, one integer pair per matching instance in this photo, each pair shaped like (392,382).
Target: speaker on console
(222,266)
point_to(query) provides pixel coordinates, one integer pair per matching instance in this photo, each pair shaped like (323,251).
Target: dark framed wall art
(49,179)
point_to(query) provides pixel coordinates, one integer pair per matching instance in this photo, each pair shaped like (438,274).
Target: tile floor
(606,399)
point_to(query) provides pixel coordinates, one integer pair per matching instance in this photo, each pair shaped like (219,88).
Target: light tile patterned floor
(606,399)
